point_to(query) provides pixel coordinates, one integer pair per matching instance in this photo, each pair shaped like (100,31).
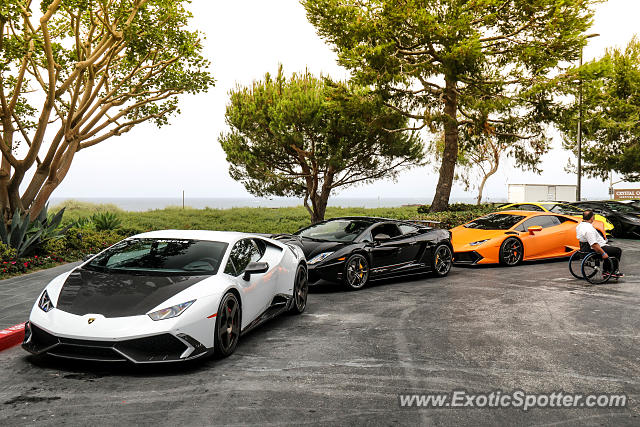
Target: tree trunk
(318,207)
(319,201)
(450,153)
(494,169)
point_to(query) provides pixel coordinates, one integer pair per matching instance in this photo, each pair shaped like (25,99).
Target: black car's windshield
(495,222)
(161,256)
(621,207)
(564,209)
(339,230)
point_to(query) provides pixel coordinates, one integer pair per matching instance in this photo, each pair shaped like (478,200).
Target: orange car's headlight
(479,242)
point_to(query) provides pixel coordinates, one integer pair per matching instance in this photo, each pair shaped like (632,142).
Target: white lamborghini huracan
(165,296)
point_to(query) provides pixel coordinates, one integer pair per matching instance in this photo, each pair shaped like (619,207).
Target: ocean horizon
(141,204)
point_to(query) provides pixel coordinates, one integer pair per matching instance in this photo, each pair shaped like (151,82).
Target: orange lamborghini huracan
(510,237)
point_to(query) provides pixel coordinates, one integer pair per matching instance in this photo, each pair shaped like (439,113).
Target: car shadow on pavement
(90,371)
(522,264)
(325,287)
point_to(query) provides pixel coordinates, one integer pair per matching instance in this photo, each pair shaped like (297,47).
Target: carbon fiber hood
(118,295)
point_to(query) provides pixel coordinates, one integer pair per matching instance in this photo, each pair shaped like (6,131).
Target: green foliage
(72,206)
(306,136)
(26,236)
(55,247)
(611,113)
(88,241)
(266,220)
(106,221)
(456,207)
(450,219)
(7,253)
(82,222)
(468,69)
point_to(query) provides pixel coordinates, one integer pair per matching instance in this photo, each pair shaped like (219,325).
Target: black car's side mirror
(255,268)
(87,257)
(379,238)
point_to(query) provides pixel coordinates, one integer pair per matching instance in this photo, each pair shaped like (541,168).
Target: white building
(519,193)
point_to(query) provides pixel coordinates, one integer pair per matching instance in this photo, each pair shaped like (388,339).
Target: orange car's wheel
(511,252)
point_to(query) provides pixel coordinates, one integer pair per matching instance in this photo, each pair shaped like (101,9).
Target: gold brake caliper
(361,267)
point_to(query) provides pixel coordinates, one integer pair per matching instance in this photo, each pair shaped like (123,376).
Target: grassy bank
(253,220)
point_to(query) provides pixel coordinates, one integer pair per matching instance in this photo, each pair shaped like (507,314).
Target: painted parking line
(11,336)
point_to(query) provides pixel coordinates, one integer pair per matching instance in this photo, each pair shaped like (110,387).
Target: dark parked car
(625,218)
(355,250)
(634,202)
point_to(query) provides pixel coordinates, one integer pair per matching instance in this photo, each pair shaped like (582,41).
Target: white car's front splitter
(136,338)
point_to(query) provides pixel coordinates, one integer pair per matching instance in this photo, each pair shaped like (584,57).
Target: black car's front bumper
(332,271)
(152,349)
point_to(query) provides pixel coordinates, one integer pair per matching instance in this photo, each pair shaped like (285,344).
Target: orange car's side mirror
(534,228)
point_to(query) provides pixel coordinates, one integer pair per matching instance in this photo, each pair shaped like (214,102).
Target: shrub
(7,253)
(8,268)
(106,221)
(26,236)
(424,209)
(82,222)
(462,207)
(89,241)
(129,231)
(57,246)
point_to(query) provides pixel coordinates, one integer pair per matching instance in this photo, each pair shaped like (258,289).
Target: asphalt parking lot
(344,361)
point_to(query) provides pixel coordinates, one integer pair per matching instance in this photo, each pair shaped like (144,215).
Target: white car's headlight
(169,312)
(320,257)
(45,303)
(479,242)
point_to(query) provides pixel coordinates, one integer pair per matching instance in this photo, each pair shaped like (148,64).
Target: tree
(307,136)
(78,72)
(610,112)
(453,64)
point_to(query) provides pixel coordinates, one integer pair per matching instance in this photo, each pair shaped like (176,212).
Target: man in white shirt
(586,233)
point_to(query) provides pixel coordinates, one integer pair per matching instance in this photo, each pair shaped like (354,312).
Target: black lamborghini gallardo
(356,250)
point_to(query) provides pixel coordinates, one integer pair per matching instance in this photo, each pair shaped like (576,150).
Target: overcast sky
(245,39)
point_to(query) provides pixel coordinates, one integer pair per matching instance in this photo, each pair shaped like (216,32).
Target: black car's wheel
(300,291)
(356,272)
(511,252)
(442,260)
(227,329)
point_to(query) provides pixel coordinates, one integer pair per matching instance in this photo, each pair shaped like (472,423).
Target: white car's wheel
(300,291)
(227,331)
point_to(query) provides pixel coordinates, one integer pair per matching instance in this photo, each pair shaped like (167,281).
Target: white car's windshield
(164,256)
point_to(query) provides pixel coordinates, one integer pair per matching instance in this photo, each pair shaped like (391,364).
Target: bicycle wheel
(595,269)
(575,263)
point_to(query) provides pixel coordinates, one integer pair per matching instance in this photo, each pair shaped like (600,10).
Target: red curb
(11,336)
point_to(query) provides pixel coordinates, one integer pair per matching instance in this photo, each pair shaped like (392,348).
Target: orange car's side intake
(484,246)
